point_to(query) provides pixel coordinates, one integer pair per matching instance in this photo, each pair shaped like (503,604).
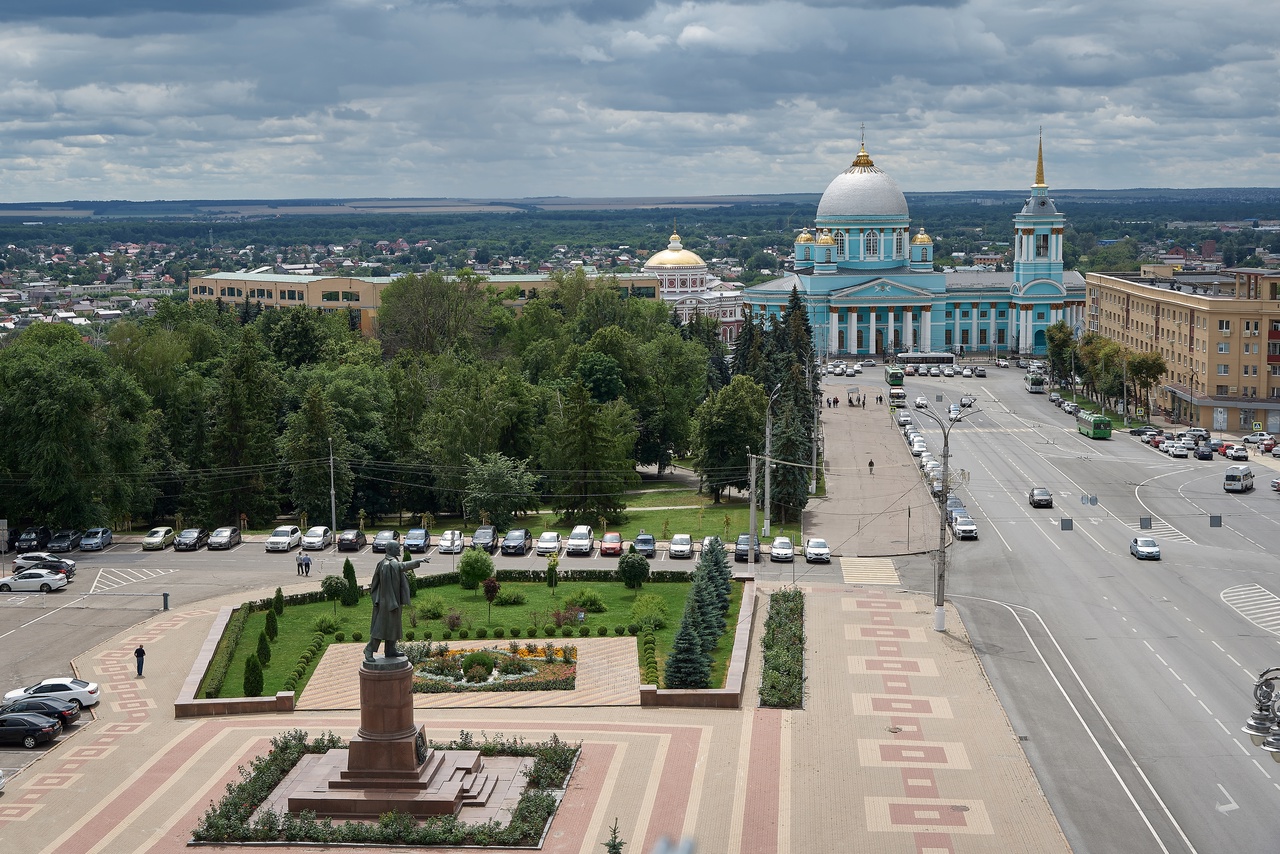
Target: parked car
(54,564)
(1002,363)
(964,528)
(1225,448)
(904,418)
(1260,436)
(935,371)
(65,540)
(33,539)
(1055,398)
(922,402)
(60,710)
(743,548)
(317,537)
(518,541)
(611,544)
(1040,497)
(967,373)
(1140,429)
(95,539)
(1070,408)
(450,543)
(548,543)
(782,549)
(1203,452)
(1178,449)
(979,371)
(967,401)
(29,730)
(646,545)
(381,539)
(1238,453)
(707,541)
(226,537)
(1144,548)
(485,538)
(33,581)
(352,540)
(31,560)
(918,447)
(1157,441)
(284,538)
(954,507)
(417,540)
(582,541)
(947,371)
(157,539)
(816,550)
(681,546)
(190,540)
(83,694)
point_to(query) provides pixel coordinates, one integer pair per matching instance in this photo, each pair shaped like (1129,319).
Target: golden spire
(1040,162)
(863,159)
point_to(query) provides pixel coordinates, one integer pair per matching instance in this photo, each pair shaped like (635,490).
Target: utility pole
(768,456)
(333,499)
(813,445)
(751,476)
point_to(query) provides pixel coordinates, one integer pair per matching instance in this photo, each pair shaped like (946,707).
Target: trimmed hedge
(217,672)
(539,576)
(782,676)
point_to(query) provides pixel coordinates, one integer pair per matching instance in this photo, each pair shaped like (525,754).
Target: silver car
(816,550)
(318,537)
(681,546)
(284,539)
(548,543)
(95,539)
(1144,548)
(450,543)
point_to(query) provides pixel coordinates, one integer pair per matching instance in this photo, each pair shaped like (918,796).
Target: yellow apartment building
(1219,334)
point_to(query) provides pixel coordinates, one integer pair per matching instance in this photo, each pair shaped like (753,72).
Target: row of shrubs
(500,633)
(221,661)
(229,819)
(649,657)
(782,676)
(317,645)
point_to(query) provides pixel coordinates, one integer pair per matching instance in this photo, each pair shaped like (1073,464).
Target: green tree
(688,666)
(586,456)
(252,676)
(726,424)
(334,587)
(305,448)
(244,433)
(633,569)
(499,487)
(264,648)
(491,590)
(1145,370)
(473,568)
(273,625)
(789,486)
(431,312)
(277,603)
(350,596)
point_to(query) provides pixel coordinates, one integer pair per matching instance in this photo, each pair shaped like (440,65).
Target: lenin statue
(389,591)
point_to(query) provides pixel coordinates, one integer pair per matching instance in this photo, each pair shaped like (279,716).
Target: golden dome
(805,237)
(825,239)
(921,238)
(675,255)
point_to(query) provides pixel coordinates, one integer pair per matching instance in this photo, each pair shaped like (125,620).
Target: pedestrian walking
(306,565)
(864,401)
(140,654)
(871,467)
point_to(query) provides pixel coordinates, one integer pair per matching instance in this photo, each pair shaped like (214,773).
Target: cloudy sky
(150,99)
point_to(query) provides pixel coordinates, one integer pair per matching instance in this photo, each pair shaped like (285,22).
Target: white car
(318,537)
(856,369)
(33,581)
(782,549)
(284,538)
(83,694)
(948,371)
(922,402)
(918,447)
(964,528)
(582,541)
(925,459)
(1002,363)
(935,371)
(816,550)
(681,546)
(1178,449)
(967,373)
(450,543)
(1260,436)
(548,543)
(30,559)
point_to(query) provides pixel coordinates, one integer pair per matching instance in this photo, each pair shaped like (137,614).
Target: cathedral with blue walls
(871,288)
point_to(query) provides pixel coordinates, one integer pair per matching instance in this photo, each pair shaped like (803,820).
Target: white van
(1238,479)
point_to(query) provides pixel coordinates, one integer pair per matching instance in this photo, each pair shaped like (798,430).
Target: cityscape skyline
(286,99)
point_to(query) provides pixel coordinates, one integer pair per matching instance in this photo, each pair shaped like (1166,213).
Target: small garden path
(608,675)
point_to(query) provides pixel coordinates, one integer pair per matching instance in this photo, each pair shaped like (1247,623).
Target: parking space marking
(869,570)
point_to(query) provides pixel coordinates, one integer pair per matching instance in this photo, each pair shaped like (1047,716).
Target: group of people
(304,564)
(854,400)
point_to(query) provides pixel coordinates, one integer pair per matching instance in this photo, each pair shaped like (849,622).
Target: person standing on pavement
(140,654)
(871,467)
(306,565)
(298,561)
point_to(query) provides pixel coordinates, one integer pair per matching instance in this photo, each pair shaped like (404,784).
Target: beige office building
(1219,334)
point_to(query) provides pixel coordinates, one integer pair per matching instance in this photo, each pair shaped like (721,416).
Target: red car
(611,544)
(1157,441)
(1226,446)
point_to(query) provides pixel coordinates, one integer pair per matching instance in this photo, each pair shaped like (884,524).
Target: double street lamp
(940,576)
(1263,726)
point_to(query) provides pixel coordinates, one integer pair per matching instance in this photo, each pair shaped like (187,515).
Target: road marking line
(869,570)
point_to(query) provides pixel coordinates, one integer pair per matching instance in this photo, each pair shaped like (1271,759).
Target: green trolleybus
(1034,383)
(1094,426)
(893,376)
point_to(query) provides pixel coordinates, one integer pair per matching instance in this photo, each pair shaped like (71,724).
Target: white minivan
(1238,479)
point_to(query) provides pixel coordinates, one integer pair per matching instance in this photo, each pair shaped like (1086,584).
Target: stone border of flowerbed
(188,705)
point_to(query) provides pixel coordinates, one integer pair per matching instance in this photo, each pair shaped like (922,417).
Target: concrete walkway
(901,747)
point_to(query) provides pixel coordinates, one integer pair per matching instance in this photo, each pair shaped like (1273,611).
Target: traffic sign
(1257,425)
(1141,412)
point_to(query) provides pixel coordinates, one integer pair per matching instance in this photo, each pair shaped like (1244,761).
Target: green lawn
(298,621)
(705,522)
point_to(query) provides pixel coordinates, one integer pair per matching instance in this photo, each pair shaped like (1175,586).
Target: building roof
(862,190)
(675,255)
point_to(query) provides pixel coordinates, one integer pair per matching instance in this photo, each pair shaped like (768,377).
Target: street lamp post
(940,576)
(1263,726)
(333,500)
(768,455)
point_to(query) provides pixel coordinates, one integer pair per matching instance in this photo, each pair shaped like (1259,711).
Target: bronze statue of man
(389,591)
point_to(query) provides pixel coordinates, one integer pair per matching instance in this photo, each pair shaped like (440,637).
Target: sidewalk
(901,747)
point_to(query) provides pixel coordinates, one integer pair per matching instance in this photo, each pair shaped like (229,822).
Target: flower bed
(531,667)
(232,819)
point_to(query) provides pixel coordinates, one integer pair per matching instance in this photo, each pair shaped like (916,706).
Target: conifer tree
(264,649)
(273,626)
(687,665)
(252,676)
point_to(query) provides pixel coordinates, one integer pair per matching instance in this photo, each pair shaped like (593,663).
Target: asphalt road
(1128,680)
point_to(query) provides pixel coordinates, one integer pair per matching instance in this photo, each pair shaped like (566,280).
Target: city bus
(1034,383)
(1094,426)
(927,360)
(893,376)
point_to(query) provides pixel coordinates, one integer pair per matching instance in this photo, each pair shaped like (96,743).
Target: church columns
(908,336)
(833,330)
(1024,330)
(871,330)
(852,340)
(926,332)
(973,327)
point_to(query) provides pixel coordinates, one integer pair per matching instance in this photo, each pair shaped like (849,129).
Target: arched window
(840,245)
(899,243)
(873,244)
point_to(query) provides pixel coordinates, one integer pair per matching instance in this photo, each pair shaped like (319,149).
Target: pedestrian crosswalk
(109,579)
(869,570)
(1256,604)
(1160,529)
